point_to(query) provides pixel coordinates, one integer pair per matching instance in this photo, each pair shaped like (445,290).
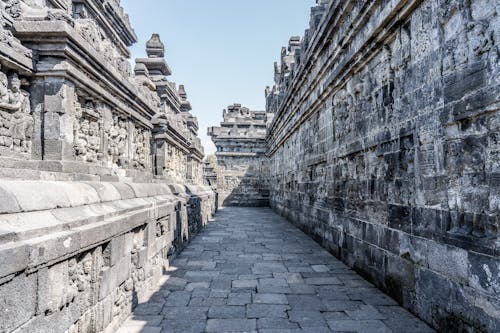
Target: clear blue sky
(222,50)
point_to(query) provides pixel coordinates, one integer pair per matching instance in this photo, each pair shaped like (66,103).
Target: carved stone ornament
(87,132)
(16,121)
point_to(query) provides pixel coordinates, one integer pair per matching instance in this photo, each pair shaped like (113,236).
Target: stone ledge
(45,222)
(19,196)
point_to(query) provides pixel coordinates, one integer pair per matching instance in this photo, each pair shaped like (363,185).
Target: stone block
(358,326)
(18,301)
(8,202)
(126,192)
(185,326)
(114,276)
(52,247)
(231,325)
(57,322)
(117,249)
(105,191)
(80,194)
(13,258)
(270,298)
(53,293)
(32,196)
(185,313)
(307,318)
(267,311)
(448,260)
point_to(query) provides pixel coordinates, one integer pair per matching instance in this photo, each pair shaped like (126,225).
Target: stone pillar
(57,128)
(160,154)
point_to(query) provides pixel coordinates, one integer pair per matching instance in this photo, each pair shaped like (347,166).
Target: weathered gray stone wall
(385,149)
(243,180)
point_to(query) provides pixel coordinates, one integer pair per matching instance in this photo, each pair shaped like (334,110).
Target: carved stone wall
(86,224)
(242,166)
(385,149)
(75,268)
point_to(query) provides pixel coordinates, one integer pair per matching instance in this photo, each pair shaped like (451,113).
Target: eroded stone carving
(80,272)
(118,141)
(413,151)
(142,148)
(87,132)
(36,10)
(15,115)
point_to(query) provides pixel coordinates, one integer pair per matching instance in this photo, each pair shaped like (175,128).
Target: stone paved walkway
(251,271)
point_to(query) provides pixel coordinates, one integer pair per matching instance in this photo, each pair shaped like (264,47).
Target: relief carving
(87,133)
(340,114)
(480,38)
(465,40)
(16,121)
(97,38)
(142,148)
(35,10)
(118,141)
(80,279)
(6,20)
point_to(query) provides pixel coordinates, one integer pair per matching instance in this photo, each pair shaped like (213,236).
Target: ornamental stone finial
(155,47)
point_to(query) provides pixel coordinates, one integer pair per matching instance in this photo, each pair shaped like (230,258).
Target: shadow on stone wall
(250,190)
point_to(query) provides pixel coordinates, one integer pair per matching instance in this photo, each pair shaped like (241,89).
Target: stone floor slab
(251,271)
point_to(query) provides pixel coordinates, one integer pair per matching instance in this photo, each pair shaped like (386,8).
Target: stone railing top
(42,221)
(18,196)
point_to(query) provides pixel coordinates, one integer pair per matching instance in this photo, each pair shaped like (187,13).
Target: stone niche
(87,227)
(384,148)
(16,118)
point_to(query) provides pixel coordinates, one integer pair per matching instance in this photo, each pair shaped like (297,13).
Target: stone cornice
(238,154)
(57,38)
(114,21)
(15,60)
(169,95)
(174,138)
(155,64)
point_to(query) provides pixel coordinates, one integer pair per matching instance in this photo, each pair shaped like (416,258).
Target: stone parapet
(95,159)
(384,149)
(78,256)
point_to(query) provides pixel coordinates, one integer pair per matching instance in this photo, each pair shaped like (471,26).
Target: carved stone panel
(117,136)
(87,132)
(141,148)
(16,120)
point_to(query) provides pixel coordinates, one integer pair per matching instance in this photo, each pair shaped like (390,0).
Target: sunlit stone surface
(100,167)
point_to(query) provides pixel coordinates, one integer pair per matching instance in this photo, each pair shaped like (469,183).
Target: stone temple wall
(242,166)
(385,148)
(100,167)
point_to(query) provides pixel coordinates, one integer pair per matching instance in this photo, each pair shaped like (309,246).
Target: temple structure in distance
(384,148)
(242,172)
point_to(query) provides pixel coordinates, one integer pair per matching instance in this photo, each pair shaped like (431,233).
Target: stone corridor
(252,271)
